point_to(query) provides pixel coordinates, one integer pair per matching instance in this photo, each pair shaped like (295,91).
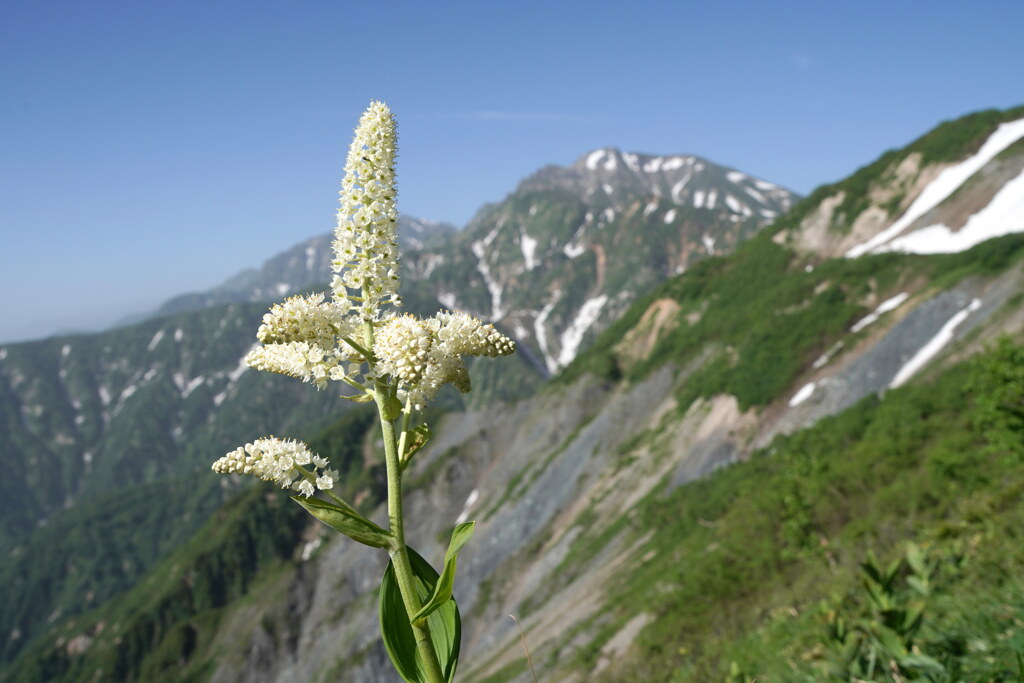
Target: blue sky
(153,148)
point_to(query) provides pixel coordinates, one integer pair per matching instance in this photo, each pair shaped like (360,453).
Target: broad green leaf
(359,398)
(443,590)
(348,522)
(444,624)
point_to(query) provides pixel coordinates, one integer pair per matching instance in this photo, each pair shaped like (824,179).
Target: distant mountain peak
(609,176)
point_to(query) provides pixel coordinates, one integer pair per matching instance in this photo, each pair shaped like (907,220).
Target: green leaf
(891,641)
(922,663)
(348,522)
(391,407)
(359,398)
(444,624)
(418,439)
(443,589)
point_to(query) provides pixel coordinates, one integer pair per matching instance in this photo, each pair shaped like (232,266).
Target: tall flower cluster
(354,338)
(398,362)
(366,245)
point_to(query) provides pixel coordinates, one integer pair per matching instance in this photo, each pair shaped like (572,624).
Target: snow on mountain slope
(1005,214)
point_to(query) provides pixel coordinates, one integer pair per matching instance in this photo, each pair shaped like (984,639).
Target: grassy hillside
(758,569)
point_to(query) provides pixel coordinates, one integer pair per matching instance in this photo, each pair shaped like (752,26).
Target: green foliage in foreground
(766,568)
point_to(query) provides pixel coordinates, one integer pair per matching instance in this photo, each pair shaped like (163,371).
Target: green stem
(399,555)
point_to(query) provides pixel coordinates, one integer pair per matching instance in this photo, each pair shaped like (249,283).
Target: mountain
(91,421)
(694,496)
(305,265)
(571,248)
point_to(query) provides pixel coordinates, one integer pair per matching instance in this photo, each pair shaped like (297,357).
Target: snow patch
(541,334)
(308,548)
(735,176)
(593,158)
(127,393)
(574,250)
(698,199)
(946,184)
(178,335)
(883,308)
(678,187)
(765,185)
(651,207)
(824,358)
(757,196)
(670,215)
(733,203)
(104,395)
(447,299)
(709,243)
(65,350)
(607,188)
(712,196)
(155,340)
(653,165)
(464,515)
(631,161)
(929,350)
(675,163)
(529,246)
(1003,215)
(799,397)
(310,258)
(282,288)
(240,369)
(3,354)
(479,250)
(573,335)
(192,385)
